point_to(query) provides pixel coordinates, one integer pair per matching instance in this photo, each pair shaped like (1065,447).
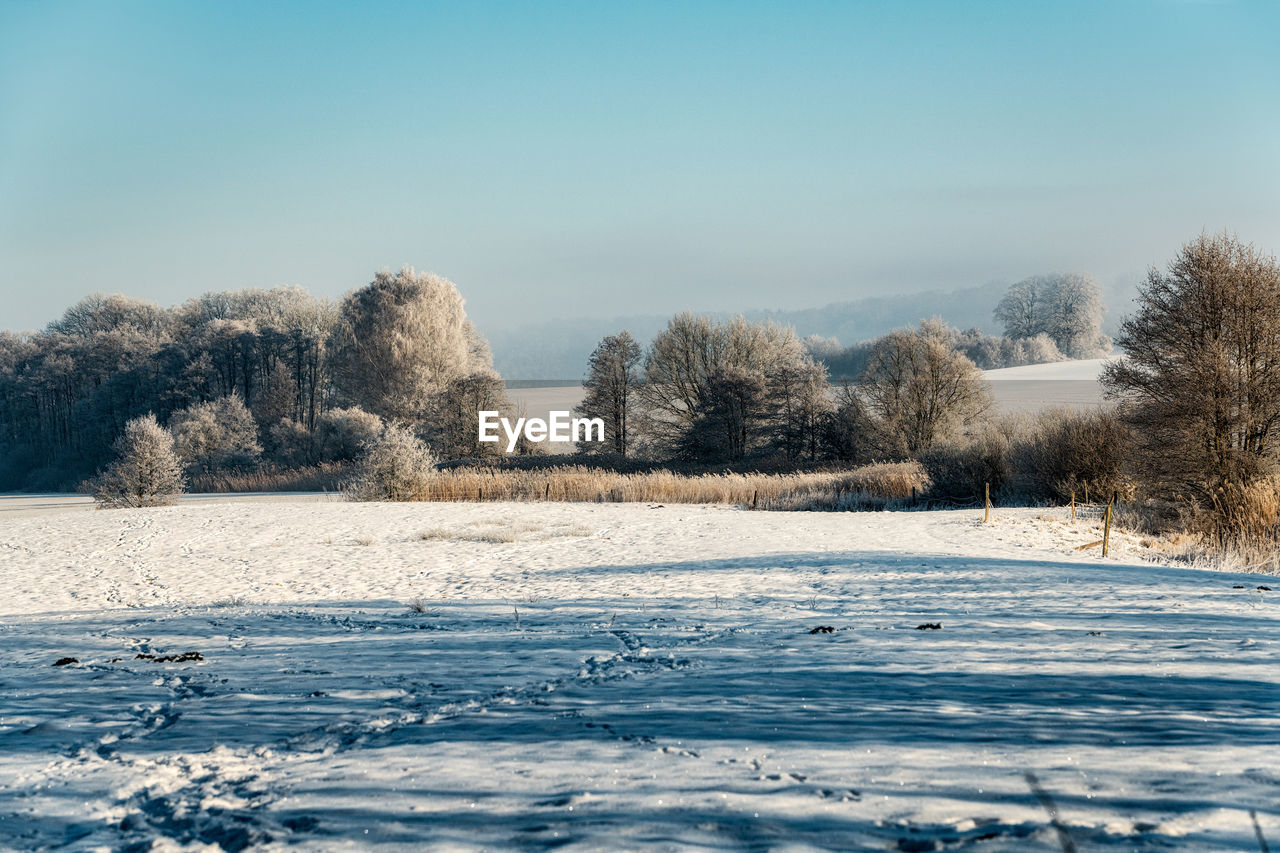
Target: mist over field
(557,349)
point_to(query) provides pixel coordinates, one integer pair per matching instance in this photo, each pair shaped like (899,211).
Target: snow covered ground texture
(613,676)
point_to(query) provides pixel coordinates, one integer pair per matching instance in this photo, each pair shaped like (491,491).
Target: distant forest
(242,378)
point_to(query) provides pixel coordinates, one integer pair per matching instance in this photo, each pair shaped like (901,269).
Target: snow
(623,676)
(1079,370)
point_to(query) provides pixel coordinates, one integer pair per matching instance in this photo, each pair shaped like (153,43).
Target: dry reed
(870,485)
(325,477)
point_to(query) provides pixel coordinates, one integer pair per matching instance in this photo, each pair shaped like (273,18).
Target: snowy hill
(604,676)
(1081,370)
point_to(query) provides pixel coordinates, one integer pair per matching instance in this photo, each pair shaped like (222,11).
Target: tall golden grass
(325,477)
(870,485)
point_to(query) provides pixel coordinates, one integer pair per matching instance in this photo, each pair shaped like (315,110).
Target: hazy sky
(610,158)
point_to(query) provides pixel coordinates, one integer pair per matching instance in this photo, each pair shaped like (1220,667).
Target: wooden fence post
(1073,506)
(986,500)
(1106,531)
(755,497)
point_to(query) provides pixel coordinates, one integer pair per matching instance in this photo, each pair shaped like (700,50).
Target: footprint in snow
(846,796)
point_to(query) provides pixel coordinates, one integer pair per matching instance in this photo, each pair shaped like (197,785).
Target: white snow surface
(622,676)
(1078,370)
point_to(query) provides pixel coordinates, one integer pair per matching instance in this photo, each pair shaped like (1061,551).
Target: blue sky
(565,159)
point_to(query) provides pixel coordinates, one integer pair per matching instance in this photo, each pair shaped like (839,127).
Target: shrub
(960,471)
(216,436)
(325,477)
(1245,511)
(146,471)
(291,442)
(395,466)
(1065,452)
(342,433)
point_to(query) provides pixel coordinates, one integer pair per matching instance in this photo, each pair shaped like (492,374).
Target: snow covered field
(614,676)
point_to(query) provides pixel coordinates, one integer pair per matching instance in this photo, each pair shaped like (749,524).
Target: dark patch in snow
(305,823)
(930,626)
(185,656)
(823,629)
(65,661)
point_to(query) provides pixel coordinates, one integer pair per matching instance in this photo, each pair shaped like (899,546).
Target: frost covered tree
(339,436)
(610,391)
(218,435)
(146,471)
(918,390)
(395,466)
(1073,316)
(823,349)
(803,405)
(1200,381)
(1021,310)
(400,341)
(1067,308)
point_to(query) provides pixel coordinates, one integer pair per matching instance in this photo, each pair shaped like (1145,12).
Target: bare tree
(706,384)
(456,422)
(146,471)
(1200,380)
(849,433)
(612,378)
(802,404)
(732,418)
(918,390)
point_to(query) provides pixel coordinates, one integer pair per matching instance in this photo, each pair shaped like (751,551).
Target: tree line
(281,379)
(236,380)
(1045,318)
(244,378)
(1192,433)
(724,391)
(708,390)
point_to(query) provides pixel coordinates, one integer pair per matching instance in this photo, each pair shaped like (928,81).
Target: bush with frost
(146,471)
(395,466)
(214,436)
